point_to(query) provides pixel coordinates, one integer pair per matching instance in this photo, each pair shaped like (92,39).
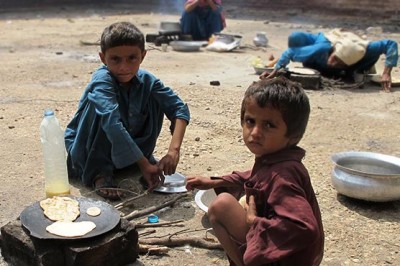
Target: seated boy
(120,116)
(281,222)
(202,18)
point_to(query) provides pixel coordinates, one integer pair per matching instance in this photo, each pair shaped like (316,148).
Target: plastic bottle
(55,163)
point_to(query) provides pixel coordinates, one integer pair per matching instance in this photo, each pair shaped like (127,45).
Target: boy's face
(123,61)
(263,129)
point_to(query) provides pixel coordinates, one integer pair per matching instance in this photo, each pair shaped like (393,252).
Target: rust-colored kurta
(288,229)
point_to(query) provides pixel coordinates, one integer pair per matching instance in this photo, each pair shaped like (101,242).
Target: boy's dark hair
(120,34)
(286,96)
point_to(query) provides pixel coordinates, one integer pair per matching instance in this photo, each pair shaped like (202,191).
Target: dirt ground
(45,65)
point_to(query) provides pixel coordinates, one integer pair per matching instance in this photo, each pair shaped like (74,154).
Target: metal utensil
(33,219)
(367,176)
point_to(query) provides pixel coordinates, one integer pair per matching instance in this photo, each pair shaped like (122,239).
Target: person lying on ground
(120,116)
(280,222)
(338,53)
(202,18)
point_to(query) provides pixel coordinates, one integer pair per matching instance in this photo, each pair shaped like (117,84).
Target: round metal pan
(34,220)
(175,183)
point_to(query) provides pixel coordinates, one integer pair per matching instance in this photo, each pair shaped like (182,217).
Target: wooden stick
(173,242)
(136,213)
(152,250)
(159,224)
(148,232)
(129,201)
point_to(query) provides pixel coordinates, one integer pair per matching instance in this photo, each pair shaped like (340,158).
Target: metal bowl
(367,176)
(187,46)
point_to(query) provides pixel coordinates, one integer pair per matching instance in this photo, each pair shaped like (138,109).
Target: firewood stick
(152,249)
(145,233)
(140,213)
(159,224)
(129,201)
(173,242)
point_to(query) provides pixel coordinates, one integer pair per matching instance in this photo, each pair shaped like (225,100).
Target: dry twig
(152,249)
(148,232)
(173,242)
(160,224)
(129,201)
(139,213)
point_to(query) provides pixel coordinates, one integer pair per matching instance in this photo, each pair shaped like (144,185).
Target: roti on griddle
(70,229)
(93,211)
(60,208)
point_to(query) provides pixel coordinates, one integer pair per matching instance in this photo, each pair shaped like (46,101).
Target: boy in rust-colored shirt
(280,223)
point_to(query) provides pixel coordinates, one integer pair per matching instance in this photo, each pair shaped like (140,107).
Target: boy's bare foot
(105,188)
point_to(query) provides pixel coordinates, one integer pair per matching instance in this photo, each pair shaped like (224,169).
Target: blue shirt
(130,119)
(313,51)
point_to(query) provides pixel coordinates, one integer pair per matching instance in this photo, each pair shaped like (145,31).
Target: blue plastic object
(152,219)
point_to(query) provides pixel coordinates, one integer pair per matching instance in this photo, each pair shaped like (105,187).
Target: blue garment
(115,126)
(313,51)
(202,22)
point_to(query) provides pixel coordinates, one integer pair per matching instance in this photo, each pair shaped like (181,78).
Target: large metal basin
(187,46)
(367,176)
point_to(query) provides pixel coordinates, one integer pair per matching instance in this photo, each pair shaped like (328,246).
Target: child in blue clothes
(120,116)
(202,18)
(338,53)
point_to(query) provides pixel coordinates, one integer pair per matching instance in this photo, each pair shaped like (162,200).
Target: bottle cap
(152,219)
(48,112)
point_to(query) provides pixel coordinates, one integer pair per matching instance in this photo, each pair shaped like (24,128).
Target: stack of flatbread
(64,211)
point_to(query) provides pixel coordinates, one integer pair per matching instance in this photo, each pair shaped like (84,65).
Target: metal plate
(203,198)
(187,46)
(34,220)
(175,183)
(303,71)
(377,79)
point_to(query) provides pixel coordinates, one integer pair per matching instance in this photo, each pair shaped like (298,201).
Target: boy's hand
(199,182)
(169,162)
(251,211)
(152,174)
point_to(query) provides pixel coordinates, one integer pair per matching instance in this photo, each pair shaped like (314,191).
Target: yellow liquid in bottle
(57,190)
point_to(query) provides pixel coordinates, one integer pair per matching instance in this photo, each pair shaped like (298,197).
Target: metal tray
(34,220)
(175,183)
(187,46)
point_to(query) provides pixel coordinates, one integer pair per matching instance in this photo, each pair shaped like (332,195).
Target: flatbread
(93,211)
(60,208)
(242,201)
(70,229)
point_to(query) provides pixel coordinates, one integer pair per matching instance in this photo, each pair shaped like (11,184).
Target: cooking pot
(367,176)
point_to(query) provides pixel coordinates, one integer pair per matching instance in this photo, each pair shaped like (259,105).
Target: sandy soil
(44,65)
